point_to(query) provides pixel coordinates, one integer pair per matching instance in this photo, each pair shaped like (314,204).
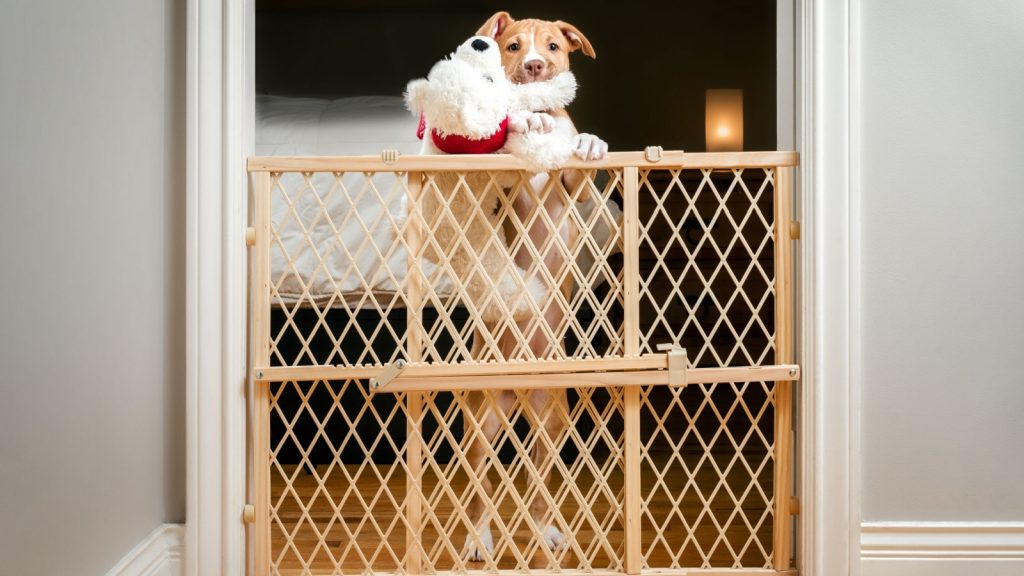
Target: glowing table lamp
(723,121)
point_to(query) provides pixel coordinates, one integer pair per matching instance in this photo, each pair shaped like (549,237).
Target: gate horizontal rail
(422,163)
(647,371)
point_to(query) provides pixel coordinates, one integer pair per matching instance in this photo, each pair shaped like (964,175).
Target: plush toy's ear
(416,95)
(495,25)
(576,38)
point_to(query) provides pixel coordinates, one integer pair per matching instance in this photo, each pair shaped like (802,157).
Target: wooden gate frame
(630,373)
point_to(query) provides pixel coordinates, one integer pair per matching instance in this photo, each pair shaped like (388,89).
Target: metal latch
(389,373)
(677,362)
(390,156)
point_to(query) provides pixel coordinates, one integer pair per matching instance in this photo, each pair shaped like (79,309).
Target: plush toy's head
(466,94)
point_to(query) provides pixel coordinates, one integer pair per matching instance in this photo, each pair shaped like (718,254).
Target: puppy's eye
(513,47)
(553,47)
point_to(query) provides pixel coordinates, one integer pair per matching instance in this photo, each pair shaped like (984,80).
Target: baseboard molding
(942,549)
(964,540)
(159,554)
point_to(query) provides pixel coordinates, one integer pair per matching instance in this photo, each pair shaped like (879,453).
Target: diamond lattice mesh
(341,255)
(707,284)
(707,264)
(340,467)
(356,256)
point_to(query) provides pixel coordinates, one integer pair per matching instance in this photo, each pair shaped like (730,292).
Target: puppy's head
(533,50)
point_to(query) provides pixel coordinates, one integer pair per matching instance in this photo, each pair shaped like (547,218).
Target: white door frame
(829,434)
(219,138)
(219,118)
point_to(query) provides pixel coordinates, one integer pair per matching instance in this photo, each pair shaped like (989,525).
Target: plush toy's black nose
(479,45)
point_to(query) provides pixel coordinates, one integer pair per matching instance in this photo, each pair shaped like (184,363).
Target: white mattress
(346,127)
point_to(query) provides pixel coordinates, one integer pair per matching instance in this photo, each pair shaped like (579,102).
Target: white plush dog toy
(467,106)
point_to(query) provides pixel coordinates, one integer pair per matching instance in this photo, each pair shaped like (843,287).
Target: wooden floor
(321,525)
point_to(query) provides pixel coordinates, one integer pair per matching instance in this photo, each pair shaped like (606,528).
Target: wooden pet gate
(449,379)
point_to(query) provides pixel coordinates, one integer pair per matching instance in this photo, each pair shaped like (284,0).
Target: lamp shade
(723,120)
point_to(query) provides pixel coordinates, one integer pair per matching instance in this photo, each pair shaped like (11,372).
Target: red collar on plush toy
(455,144)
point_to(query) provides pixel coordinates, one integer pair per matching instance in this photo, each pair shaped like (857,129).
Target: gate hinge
(389,373)
(794,506)
(250,236)
(794,230)
(248,514)
(676,363)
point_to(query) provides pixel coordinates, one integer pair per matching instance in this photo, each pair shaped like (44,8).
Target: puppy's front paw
(523,122)
(540,122)
(553,538)
(589,147)
(475,552)
(517,122)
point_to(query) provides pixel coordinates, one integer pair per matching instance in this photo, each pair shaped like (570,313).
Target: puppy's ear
(576,38)
(495,25)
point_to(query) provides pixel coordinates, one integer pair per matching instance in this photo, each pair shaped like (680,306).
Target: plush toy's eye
(488,78)
(553,47)
(513,47)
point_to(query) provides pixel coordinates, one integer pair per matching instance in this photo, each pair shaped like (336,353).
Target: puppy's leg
(585,147)
(486,409)
(550,406)
(479,545)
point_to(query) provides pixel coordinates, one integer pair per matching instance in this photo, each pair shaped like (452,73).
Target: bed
(310,264)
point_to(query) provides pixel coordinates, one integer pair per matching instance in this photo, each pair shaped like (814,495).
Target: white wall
(91,288)
(942,145)
(942,150)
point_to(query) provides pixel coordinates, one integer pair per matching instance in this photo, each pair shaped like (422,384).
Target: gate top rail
(417,163)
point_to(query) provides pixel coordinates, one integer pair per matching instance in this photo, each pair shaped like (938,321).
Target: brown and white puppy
(534,50)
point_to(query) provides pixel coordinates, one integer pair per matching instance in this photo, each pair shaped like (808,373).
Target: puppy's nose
(479,45)
(533,67)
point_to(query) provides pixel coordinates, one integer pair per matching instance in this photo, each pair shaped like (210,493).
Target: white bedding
(361,261)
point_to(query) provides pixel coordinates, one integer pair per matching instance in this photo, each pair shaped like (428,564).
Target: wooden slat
(414,280)
(657,572)
(259,343)
(414,335)
(783,354)
(590,379)
(719,572)
(305,373)
(631,259)
(415,163)
(631,394)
